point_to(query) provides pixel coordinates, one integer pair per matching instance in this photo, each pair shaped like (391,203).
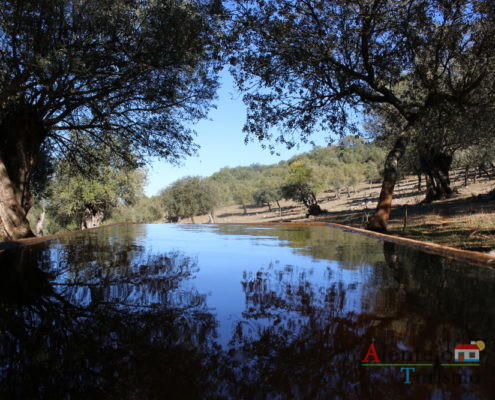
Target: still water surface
(232,311)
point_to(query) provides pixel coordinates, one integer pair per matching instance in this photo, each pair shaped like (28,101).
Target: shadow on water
(101,315)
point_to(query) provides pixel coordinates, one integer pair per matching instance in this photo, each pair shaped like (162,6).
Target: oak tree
(128,74)
(188,197)
(83,198)
(311,64)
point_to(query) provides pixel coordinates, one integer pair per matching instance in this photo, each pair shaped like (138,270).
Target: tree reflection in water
(102,316)
(125,329)
(302,341)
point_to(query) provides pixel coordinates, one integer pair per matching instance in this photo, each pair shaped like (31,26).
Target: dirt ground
(466,221)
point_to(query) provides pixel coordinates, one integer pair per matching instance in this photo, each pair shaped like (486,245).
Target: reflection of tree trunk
(378,222)
(392,261)
(92,218)
(389,253)
(21,135)
(23,283)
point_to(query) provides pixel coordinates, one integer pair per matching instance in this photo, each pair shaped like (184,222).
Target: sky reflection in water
(231,311)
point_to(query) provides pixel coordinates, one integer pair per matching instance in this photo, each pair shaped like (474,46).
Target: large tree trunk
(21,135)
(378,221)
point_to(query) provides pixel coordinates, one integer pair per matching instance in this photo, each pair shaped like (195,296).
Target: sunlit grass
(468,231)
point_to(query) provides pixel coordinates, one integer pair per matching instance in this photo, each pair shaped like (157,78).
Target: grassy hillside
(466,221)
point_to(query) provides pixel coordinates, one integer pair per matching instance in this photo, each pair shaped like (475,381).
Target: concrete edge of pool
(473,257)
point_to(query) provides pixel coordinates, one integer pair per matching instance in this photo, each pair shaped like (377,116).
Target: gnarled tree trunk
(92,218)
(378,221)
(21,135)
(436,166)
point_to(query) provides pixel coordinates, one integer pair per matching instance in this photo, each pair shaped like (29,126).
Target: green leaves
(140,70)
(305,66)
(188,197)
(74,192)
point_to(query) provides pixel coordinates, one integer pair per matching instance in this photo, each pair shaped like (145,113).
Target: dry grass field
(465,221)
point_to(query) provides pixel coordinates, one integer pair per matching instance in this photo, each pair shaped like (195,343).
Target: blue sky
(222,143)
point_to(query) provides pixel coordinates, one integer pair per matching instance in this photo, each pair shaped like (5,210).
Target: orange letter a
(371,352)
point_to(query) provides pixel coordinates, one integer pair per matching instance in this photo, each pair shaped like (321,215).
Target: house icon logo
(468,352)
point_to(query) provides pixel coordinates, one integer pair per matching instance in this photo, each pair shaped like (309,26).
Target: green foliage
(307,65)
(445,135)
(343,166)
(301,184)
(188,197)
(129,75)
(476,156)
(143,210)
(73,197)
(116,190)
(323,168)
(300,192)
(137,69)
(241,194)
(267,195)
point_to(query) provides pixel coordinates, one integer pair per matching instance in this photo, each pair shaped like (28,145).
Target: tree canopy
(126,74)
(79,200)
(308,65)
(188,197)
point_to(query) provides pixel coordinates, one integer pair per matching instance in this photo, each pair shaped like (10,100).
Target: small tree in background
(242,195)
(267,195)
(144,210)
(302,186)
(188,197)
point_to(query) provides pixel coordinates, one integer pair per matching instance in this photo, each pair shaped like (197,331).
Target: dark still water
(240,312)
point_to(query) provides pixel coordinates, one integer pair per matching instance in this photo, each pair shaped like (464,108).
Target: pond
(248,312)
